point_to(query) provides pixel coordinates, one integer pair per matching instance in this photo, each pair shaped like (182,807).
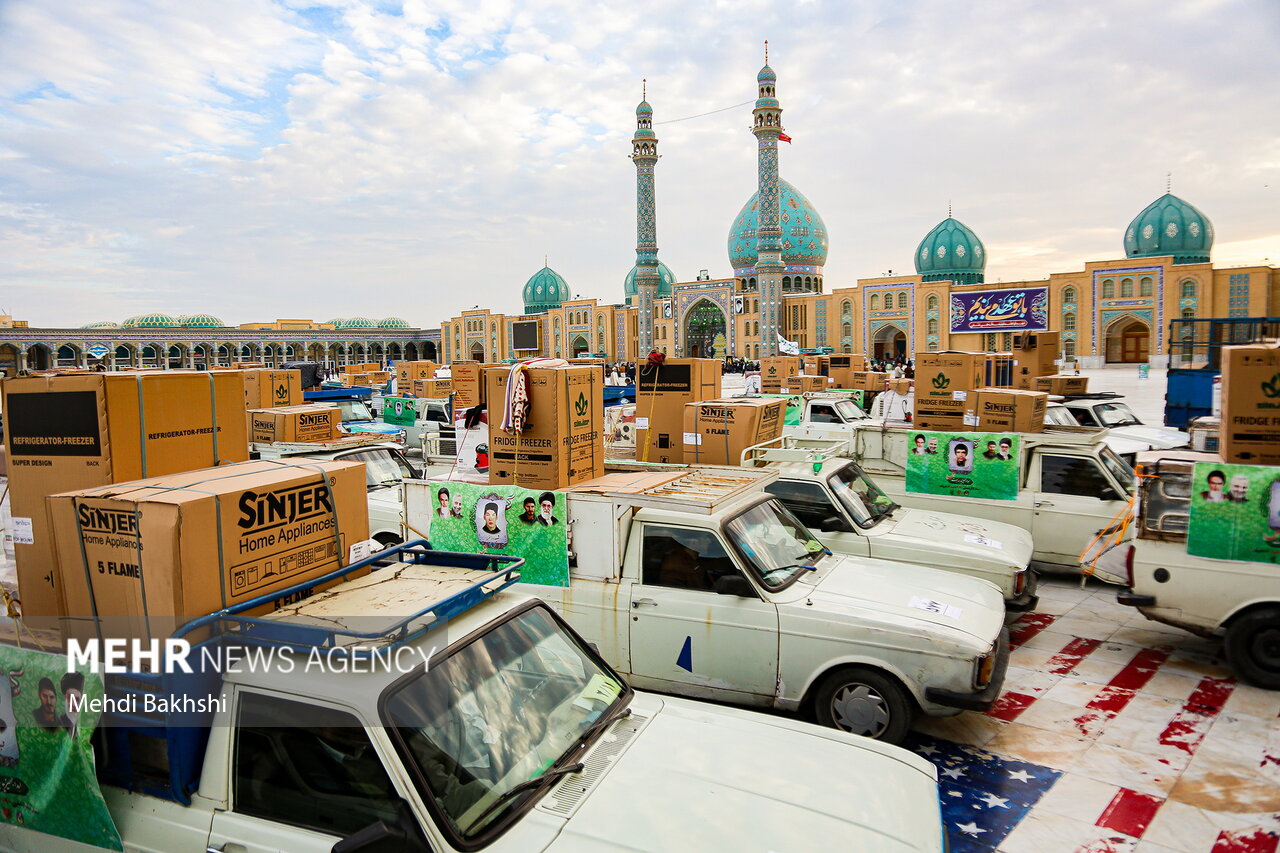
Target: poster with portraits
(1235,512)
(47,777)
(963,464)
(492,519)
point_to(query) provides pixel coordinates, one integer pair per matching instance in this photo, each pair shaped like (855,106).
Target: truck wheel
(386,540)
(1253,647)
(864,702)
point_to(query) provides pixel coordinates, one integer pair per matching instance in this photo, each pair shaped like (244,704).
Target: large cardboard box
(802,383)
(1034,354)
(817,365)
(1007,410)
(310,422)
(77,432)
(562,442)
(944,381)
(775,369)
(468,378)
(844,366)
(1250,429)
(1063,384)
(150,555)
(661,395)
(429,388)
(408,371)
(864,380)
(716,432)
(266,389)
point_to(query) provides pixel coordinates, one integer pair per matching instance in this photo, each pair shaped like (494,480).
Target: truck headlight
(986,665)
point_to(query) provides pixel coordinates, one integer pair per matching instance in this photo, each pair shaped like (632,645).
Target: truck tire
(386,540)
(1253,647)
(864,702)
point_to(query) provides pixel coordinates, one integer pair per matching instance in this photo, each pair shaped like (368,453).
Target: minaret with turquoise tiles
(769,266)
(644,153)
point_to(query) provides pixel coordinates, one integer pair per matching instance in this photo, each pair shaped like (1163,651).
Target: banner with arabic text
(1023,309)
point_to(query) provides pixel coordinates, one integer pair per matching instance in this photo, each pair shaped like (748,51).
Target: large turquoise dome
(666,278)
(393,323)
(1170,226)
(200,321)
(951,252)
(356,323)
(804,234)
(149,321)
(546,290)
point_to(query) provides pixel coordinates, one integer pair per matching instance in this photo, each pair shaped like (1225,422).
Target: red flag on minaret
(782,137)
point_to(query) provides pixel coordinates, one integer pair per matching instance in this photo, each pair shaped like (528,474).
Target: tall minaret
(769,266)
(644,151)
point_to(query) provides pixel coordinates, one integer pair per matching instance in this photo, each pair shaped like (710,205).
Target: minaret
(644,151)
(769,266)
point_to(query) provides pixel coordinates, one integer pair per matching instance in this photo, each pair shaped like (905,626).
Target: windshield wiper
(526,785)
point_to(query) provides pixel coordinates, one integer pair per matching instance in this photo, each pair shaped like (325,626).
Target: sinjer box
(716,432)
(1007,410)
(310,422)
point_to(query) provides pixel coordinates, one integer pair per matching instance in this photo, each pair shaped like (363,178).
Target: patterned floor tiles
(1112,734)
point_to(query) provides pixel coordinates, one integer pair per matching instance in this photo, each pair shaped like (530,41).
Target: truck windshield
(1122,471)
(860,497)
(848,411)
(354,410)
(505,708)
(1115,414)
(776,545)
(382,467)
(1060,416)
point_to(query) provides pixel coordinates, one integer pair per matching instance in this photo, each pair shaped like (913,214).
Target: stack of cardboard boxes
(662,392)
(944,381)
(843,367)
(312,422)
(1250,428)
(409,371)
(716,432)
(562,442)
(774,371)
(265,388)
(1034,354)
(804,383)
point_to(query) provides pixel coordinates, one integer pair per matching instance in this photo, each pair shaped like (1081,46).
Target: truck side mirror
(1108,494)
(402,836)
(735,584)
(833,524)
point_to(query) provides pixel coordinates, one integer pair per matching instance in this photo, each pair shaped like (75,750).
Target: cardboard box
(802,383)
(266,389)
(562,442)
(868,380)
(1063,384)
(409,371)
(1007,410)
(899,386)
(716,432)
(310,422)
(247,365)
(1034,354)
(435,388)
(93,429)
(944,381)
(774,370)
(279,524)
(1250,428)
(817,365)
(379,377)
(358,380)
(468,378)
(661,395)
(844,366)
(1000,370)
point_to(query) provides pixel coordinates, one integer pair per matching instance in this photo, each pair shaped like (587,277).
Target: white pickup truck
(696,581)
(833,496)
(509,734)
(1238,600)
(1115,416)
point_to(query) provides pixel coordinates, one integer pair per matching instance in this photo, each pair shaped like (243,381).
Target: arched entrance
(429,351)
(8,360)
(1128,341)
(125,356)
(69,356)
(705,331)
(477,351)
(889,341)
(580,346)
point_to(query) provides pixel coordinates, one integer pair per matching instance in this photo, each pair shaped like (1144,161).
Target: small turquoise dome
(766,75)
(101,324)
(804,234)
(544,291)
(393,323)
(1170,226)
(200,321)
(643,109)
(666,278)
(337,322)
(151,321)
(356,323)
(951,252)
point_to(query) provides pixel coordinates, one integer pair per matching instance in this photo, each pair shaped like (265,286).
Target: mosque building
(1113,310)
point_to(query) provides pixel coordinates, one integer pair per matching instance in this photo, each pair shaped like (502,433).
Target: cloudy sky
(261,159)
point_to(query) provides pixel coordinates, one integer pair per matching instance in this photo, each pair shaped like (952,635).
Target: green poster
(795,407)
(1235,512)
(399,411)
(47,779)
(963,464)
(504,520)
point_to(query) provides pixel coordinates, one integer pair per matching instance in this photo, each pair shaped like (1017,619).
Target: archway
(202,358)
(477,351)
(225,355)
(705,331)
(69,356)
(411,353)
(39,357)
(293,352)
(395,352)
(889,341)
(429,352)
(337,357)
(1128,341)
(580,346)
(125,356)
(8,360)
(177,356)
(151,356)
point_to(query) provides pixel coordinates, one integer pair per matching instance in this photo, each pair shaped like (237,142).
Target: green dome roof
(804,234)
(200,321)
(951,252)
(337,322)
(666,278)
(545,291)
(1170,226)
(393,323)
(356,323)
(101,324)
(149,321)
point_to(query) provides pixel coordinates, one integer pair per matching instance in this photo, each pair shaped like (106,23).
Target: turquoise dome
(643,109)
(101,324)
(337,321)
(150,321)
(1170,226)
(356,323)
(200,321)
(951,252)
(546,290)
(666,278)
(804,234)
(393,323)
(766,75)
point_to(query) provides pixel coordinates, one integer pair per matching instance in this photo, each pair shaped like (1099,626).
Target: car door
(688,638)
(1074,499)
(810,502)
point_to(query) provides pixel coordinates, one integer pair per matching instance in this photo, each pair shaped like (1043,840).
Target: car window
(807,501)
(308,766)
(1071,475)
(682,558)
(823,414)
(382,467)
(1084,416)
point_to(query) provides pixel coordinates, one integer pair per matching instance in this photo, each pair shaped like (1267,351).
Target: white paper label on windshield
(941,608)
(960,395)
(22,534)
(693,438)
(982,540)
(642,423)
